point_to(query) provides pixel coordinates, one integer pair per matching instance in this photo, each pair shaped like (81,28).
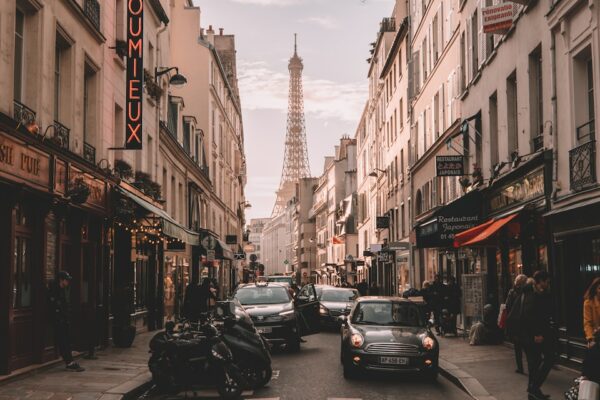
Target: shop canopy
(169,226)
(480,234)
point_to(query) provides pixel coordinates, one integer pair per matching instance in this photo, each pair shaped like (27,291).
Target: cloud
(264,88)
(324,22)
(280,3)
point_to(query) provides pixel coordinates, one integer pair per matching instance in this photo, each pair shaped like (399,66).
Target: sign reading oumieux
(135,74)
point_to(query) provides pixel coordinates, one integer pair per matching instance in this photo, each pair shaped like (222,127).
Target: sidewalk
(488,372)
(116,374)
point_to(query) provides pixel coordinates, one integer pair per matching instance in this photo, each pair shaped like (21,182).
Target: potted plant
(147,185)
(123,331)
(78,191)
(123,170)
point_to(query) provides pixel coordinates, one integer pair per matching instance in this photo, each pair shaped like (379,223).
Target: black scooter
(197,354)
(250,350)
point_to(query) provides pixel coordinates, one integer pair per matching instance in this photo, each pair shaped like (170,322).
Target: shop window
(21,268)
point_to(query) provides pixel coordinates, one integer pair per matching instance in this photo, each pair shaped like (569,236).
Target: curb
(34,369)
(130,389)
(464,381)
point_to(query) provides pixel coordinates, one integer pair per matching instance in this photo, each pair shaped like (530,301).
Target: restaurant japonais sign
(449,165)
(135,73)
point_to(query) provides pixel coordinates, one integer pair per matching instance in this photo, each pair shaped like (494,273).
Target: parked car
(277,316)
(387,334)
(335,302)
(281,279)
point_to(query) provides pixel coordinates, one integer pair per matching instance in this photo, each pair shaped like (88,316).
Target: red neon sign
(135,74)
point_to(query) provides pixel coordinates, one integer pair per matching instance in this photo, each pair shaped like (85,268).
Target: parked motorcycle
(250,350)
(195,354)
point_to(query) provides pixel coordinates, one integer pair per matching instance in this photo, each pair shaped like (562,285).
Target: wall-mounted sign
(382,222)
(450,165)
(524,189)
(498,19)
(135,74)
(23,162)
(97,197)
(231,239)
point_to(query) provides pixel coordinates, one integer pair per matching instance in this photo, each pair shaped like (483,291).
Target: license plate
(394,360)
(264,330)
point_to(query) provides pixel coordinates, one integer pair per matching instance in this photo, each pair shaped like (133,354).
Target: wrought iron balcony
(23,114)
(388,25)
(89,153)
(538,143)
(61,135)
(582,165)
(91,9)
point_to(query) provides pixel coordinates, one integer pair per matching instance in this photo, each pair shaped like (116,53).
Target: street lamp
(176,80)
(374,173)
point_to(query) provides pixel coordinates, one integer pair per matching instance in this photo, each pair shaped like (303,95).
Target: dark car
(388,334)
(278,317)
(335,302)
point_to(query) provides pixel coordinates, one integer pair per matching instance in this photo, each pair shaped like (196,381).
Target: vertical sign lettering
(135,73)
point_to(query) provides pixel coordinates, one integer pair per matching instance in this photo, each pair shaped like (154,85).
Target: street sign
(253,257)
(382,222)
(210,255)
(286,262)
(209,243)
(230,239)
(239,256)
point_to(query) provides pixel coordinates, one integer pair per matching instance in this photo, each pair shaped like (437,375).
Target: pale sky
(333,40)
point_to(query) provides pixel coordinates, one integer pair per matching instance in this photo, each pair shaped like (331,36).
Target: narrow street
(315,373)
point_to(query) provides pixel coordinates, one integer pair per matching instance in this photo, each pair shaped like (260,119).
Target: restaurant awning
(479,234)
(169,226)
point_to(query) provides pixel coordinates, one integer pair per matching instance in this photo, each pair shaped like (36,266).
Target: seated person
(486,331)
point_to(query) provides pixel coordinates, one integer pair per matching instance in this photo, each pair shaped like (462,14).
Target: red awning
(480,233)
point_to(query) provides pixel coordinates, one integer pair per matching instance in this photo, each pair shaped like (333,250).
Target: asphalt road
(315,373)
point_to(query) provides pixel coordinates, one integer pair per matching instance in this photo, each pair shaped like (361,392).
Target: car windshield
(262,295)
(285,279)
(387,313)
(338,295)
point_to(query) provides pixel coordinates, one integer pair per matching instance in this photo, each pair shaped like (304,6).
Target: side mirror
(343,319)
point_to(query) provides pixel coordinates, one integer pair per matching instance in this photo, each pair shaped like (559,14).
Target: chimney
(210,35)
(221,31)
(202,33)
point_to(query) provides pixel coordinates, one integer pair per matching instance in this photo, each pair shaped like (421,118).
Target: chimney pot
(210,29)
(221,31)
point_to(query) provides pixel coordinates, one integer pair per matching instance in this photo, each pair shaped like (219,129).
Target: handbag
(502,316)
(588,390)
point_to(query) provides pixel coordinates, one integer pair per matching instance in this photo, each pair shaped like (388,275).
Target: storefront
(216,262)
(53,212)
(512,238)
(575,232)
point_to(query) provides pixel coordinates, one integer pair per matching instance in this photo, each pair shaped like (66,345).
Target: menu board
(473,295)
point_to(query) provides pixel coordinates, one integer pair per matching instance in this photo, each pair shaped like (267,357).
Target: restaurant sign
(18,161)
(525,189)
(449,165)
(135,74)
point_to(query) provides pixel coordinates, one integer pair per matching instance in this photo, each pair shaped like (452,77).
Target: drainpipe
(554,114)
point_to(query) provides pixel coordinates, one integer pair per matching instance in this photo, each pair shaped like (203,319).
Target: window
(22,268)
(197,150)
(19,49)
(119,126)
(583,79)
(89,104)
(401,113)
(493,106)
(463,63)
(474,43)
(57,56)
(401,166)
(61,76)
(120,19)
(425,54)
(436,115)
(512,109)
(187,127)
(435,39)
(536,98)
(173,117)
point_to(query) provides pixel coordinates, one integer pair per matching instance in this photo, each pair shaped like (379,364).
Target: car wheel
(349,371)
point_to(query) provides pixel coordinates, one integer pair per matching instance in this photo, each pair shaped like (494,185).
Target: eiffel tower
(295,161)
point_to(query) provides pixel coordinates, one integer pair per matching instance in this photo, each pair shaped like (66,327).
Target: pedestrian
(486,331)
(59,303)
(513,296)
(363,287)
(453,295)
(437,292)
(374,289)
(538,335)
(591,327)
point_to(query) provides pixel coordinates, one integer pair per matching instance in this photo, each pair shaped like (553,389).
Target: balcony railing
(23,114)
(91,9)
(582,165)
(538,143)
(61,135)
(388,25)
(89,153)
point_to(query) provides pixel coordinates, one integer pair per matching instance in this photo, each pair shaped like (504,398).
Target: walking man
(58,299)
(539,338)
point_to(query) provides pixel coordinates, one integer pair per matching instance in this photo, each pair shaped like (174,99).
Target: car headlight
(216,355)
(323,310)
(428,343)
(357,340)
